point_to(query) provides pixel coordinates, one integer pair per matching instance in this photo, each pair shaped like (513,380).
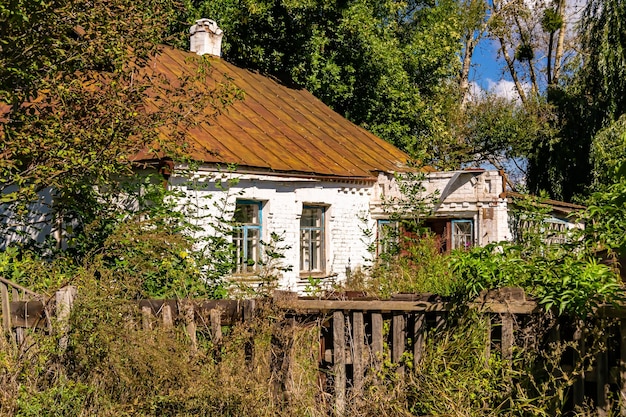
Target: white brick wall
(282,201)
(351,207)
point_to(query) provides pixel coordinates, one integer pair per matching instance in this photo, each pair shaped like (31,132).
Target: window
(556,231)
(388,237)
(312,239)
(462,234)
(247,236)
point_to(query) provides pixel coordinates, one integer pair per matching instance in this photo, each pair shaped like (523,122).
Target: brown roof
(277,128)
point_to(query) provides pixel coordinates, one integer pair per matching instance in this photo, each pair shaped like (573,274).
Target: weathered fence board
(360,334)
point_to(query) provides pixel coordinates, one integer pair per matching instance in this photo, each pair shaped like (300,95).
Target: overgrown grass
(418,268)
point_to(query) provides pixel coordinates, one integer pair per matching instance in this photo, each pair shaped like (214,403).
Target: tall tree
(386,65)
(590,105)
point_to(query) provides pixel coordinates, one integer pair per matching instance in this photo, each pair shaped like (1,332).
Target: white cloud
(475,92)
(505,89)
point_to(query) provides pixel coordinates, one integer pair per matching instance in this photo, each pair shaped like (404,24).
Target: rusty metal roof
(277,128)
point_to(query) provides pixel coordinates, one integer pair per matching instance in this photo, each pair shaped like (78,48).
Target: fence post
(418,338)
(398,341)
(146,317)
(64,301)
(6,307)
(216,325)
(358,341)
(578,396)
(377,338)
(166,315)
(602,382)
(488,330)
(190,323)
(339,362)
(507,339)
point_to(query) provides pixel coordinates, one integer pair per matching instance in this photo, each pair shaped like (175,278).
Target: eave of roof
(277,128)
(556,205)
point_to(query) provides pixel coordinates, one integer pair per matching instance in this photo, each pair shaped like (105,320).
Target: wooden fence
(357,333)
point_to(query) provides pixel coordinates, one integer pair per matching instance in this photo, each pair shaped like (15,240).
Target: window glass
(462,234)
(312,239)
(247,236)
(388,238)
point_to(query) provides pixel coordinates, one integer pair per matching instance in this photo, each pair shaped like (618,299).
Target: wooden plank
(488,330)
(232,311)
(507,338)
(339,362)
(622,367)
(578,396)
(513,307)
(19,330)
(190,324)
(419,330)
(64,301)
(376,320)
(216,325)
(602,380)
(358,349)
(289,361)
(248,309)
(146,317)
(27,314)
(6,306)
(398,340)
(166,316)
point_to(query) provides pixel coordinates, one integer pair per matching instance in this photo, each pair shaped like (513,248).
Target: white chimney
(206,38)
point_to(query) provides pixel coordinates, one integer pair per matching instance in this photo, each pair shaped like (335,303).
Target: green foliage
(417,268)
(608,151)
(65,398)
(571,284)
(551,21)
(453,378)
(495,128)
(590,104)
(383,65)
(606,215)
(561,270)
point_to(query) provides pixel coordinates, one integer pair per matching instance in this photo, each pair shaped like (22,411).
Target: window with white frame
(462,234)
(388,237)
(312,239)
(247,236)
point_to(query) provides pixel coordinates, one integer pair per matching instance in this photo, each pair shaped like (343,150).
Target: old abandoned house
(311,176)
(305,173)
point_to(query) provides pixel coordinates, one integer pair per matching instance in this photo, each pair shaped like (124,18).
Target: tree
(537,44)
(73,88)
(386,66)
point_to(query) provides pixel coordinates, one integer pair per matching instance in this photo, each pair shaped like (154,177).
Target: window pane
(305,250)
(247,213)
(247,236)
(388,237)
(312,239)
(252,250)
(462,236)
(311,217)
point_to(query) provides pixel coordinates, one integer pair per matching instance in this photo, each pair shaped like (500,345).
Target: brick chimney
(206,38)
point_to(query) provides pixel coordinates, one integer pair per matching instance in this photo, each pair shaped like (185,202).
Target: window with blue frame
(247,236)
(312,239)
(462,234)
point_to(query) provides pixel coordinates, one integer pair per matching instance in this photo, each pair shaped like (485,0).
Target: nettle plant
(560,270)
